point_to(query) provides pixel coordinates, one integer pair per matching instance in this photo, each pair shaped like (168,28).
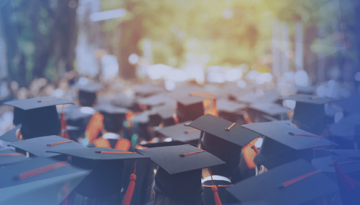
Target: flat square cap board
(88,87)
(162,144)
(95,154)
(347,165)
(147,89)
(165,112)
(310,99)
(123,100)
(174,159)
(281,132)
(218,127)
(34,103)
(41,178)
(187,99)
(142,117)
(229,106)
(156,100)
(7,156)
(275,188)
(40,146)
(180,132)
(269,108)
(10,136)
(110,109)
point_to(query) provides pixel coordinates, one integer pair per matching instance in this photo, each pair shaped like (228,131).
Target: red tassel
(214,190)
(131,187)
(348,183)
(64,132)
(216,195)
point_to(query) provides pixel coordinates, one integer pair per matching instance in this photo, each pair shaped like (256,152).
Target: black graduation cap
(293,183)
(105,178)
(39,116)
(181,132)
(351,167)
(225,105)
(113,117)
(269,108)
(7,156)
(189,107)
(87,93)
(309,113)
(224,129)
(122,100)
(180,168)
(347,153)
(10,136)
(166,113)
(38,181)
(17,116)
(41,145)
(156,100)
(88,87)
(146,90)
(162,144)
(284,143)
(224,139)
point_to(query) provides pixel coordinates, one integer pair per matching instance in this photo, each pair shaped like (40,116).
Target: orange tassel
(214,190)
(64,132)
(247,118)
(131,187)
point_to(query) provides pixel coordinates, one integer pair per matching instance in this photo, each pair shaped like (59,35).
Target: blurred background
(289,45)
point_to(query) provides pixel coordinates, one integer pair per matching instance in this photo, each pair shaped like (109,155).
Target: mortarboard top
(165,112)
(142,117)
(188,99)
(180,132)
(347,127)
(88,87)
(146,89)
(169,159)
(282,133)
(94,154)
(73,113)
(123,100)
(21,183)
(40,146)
(310,99)
(41,102)
(162,144)
(347,153)
(229,106)
(110,109)
(155,100)
(271,185)
(10,136)
(325,164)
(217,126)
(269,108)
(7,156)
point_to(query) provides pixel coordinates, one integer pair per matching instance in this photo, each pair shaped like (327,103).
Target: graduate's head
(114,117)
(39,116)
(87,94)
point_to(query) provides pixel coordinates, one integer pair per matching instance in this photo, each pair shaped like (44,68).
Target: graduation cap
(351,167)
(156,100)
(162,144)
(114,117)
(123,100)
(87,93)
(293,183)
(309,113)
(41,145)
(284,143)
(180,168)
(10,136)
(190,106)
(230,110)
(224,139)
(181,132)
(146,90)
(38,181)
(7,156)
(39,116)
(270,109)
(17,116)
(105,178)
(167,114)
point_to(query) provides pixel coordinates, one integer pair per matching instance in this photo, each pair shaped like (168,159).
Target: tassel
(64,132)
(214,189)
(348,183)
(131,187)
(216,195)
(247,118)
